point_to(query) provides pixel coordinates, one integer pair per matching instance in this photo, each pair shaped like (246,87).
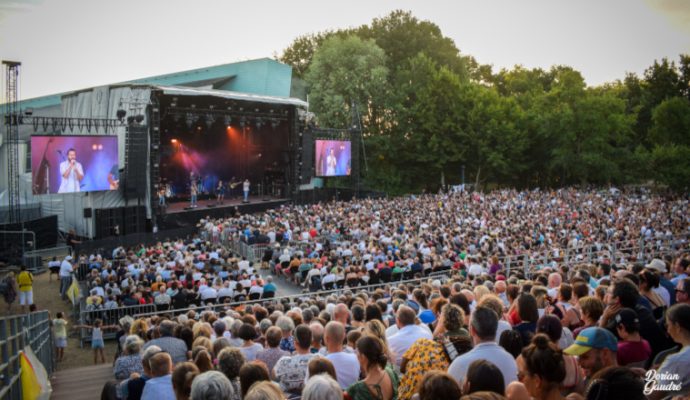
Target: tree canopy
(428,110)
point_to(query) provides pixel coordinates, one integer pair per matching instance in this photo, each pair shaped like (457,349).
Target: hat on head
(427,316)
(628,317)
(658,265)
(68,258)
(592,338)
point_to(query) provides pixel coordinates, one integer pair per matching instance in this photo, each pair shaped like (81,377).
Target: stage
(179,214)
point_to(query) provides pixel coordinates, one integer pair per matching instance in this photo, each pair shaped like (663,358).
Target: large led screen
(333,158)
(70,164)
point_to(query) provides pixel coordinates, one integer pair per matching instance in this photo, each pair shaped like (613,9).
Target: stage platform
(179,214)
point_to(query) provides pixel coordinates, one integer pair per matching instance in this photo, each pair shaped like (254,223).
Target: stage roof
(186,91)
(263,77)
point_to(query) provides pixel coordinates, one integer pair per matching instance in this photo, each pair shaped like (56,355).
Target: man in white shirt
(346,364)
(66,269)
(483,325)
(407,334)
(71,172)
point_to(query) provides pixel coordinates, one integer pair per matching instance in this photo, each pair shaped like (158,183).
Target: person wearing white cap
(665,288)
(66,269)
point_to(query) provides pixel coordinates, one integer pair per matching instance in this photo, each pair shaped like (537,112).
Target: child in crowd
(97,343)
(60,332)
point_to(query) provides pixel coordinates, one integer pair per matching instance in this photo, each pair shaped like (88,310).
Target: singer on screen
(331,162)
(72,173)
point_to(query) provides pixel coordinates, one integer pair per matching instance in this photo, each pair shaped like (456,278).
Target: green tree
(671,166)
(671,122)
(344,72)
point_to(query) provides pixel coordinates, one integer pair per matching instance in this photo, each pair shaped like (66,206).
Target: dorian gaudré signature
(663,382)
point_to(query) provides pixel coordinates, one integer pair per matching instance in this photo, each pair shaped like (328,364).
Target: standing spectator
(483,376)
(683,291)
(541,368)
(407,334)
(483,325)
(66,269)
(251,373)
(379,380)
(290,371)
(322,387)
(159,387)
(213,385)
(286,325)
(596,349)
(346,364)
(177,348)
(230,361)
(678,364)
(25,282)
(272,353)
(437,385)
(130,361)
(247,333)
(632,349)
(8,289)
(182,379)
(60,333)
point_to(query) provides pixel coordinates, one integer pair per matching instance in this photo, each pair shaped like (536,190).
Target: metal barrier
(109,316)
(442,275)
(17,332)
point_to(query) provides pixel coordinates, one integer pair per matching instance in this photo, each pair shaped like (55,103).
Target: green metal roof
(264,77)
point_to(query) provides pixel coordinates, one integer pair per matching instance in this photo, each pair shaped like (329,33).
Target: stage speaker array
(135,161)
(306,170)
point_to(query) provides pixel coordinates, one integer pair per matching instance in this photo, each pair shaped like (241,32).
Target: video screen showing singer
(333,157)
(74,164)
(72,173)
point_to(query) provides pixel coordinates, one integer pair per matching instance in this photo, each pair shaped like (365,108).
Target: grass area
(47,297)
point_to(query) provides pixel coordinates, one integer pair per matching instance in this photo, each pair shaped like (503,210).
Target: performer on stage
(331,162)
(245,188)
(161,196)
(72,173)
(220,191)
(194,192)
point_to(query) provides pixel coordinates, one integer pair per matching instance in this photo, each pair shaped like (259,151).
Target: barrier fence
(17,332)
(109,316)
(442,275)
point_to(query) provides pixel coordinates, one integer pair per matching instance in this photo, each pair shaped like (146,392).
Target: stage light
(100,147)
(121,114)
(139,118)
(227,120)
(209,120)
(94,147)
(259,122)
(173,141)
(29,111)
(189,119)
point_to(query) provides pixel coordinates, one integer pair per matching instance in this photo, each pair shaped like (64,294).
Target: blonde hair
(264,390)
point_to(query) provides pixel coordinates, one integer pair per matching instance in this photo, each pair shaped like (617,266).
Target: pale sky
(67,45)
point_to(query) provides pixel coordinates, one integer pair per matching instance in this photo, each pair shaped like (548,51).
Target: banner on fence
(73,292)
(35,382)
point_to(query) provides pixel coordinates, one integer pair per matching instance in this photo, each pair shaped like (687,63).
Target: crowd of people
(544,294)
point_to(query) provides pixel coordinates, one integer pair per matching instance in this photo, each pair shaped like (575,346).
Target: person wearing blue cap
(596,349)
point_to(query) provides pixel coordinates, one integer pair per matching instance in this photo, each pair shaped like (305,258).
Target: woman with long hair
(380,382)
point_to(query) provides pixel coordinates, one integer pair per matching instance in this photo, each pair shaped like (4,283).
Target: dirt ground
(47,297)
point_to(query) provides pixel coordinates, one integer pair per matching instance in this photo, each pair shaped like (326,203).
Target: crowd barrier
(443,276)
(17,332)
(109,316)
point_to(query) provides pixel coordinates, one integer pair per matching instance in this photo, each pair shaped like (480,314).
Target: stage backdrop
(96,155)
(333,157)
